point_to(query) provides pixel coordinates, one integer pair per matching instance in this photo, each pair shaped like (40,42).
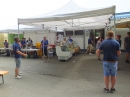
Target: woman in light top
(98,45)
(57,41)
(98,42)
(65,42)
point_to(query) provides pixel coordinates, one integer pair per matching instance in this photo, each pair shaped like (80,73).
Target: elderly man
(29,42)
(111,49)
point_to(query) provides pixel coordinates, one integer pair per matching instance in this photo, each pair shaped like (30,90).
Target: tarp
(122,20)
(123,24)
(72,16)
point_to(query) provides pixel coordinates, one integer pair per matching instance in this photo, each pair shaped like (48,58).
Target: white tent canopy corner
(76,17)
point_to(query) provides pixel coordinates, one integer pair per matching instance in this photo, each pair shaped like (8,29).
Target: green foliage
(11,37)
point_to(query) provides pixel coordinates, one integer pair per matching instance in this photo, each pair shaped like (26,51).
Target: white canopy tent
(71,16)
(23,28)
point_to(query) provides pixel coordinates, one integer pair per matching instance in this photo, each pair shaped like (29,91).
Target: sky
(10,10)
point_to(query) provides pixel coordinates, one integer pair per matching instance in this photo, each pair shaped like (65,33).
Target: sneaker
(112,90)
(43,61)
(90,53)
(20,74)
(100,59)
(18,77)
(106,90)
(127,61)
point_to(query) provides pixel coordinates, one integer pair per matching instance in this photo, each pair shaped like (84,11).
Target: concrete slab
(81,76)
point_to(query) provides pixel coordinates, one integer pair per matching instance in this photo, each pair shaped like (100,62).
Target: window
(62,33)
(79,32)
(69,33)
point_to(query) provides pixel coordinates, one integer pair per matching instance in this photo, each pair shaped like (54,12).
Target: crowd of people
(110,47)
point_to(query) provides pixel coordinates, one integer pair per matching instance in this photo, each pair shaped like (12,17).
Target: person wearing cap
(17,56)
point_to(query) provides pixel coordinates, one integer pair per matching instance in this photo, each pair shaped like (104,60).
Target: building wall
(38,36)
(1,41)
(3,37)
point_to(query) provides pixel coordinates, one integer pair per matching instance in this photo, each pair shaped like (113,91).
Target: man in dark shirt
(90,43)
(127,46)
(6,44)
(111,49)
(70,40)
(23,43)
(17,55)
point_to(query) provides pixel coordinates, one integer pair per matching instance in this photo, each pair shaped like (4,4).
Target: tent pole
(49,36)
(36,36)
(84,32)
(114,25)
(18,29)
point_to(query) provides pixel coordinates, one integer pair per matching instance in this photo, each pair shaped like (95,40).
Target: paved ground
(81,76)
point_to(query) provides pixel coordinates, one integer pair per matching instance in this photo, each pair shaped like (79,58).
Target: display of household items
(69,46)
(66,49)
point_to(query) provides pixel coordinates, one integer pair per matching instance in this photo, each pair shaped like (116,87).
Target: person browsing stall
(29,42)
(23,43)
(6,44)
(44,45)
(70,40)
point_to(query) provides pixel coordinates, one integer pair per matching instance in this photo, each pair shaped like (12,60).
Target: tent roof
(123,15)
(70,7)
(23,28)
(72,16)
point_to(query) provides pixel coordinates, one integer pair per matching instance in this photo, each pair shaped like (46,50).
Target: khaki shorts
(90,47)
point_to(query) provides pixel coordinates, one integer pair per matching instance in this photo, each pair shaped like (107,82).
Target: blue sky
(10,10)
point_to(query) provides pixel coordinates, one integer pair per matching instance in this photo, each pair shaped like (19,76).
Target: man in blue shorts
(111,49)
(17,55)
